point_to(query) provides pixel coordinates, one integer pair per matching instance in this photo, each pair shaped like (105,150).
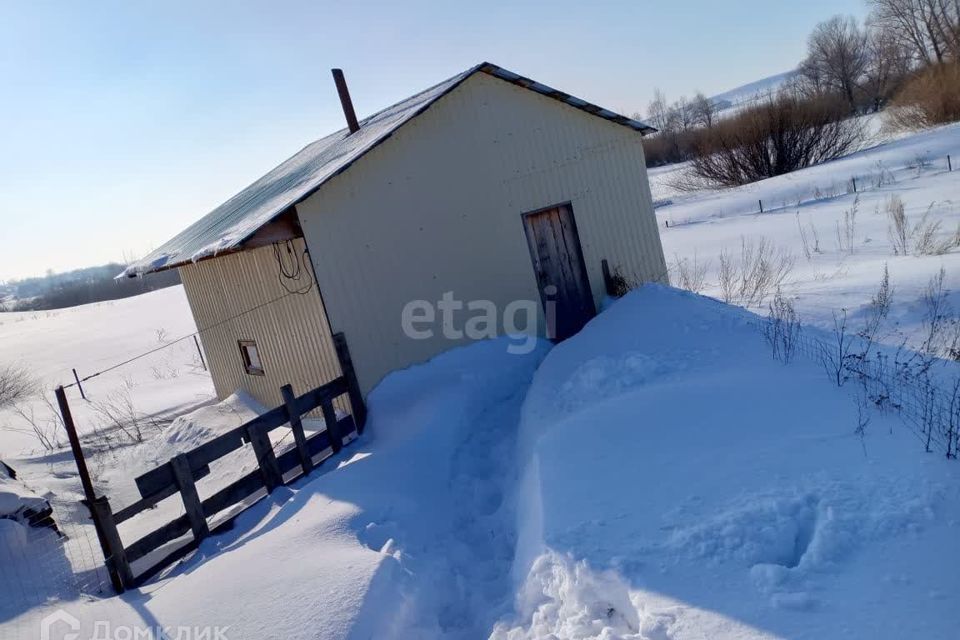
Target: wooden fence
(180,474)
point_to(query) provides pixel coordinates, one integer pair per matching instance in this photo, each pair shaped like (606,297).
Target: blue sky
(123,122)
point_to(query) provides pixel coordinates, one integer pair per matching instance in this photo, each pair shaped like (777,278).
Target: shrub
(760,269)
(929,98)
(925,237)
(783,134)
(16,384)
(782,329)
(689,273)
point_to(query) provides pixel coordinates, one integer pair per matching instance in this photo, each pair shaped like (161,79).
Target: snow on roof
(228,226)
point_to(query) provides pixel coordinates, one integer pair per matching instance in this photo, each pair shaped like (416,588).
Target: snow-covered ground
(659,475)
(681,483)
(90,338)
(705,223)
(410,537)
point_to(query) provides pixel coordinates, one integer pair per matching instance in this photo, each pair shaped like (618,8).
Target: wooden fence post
(112,546)
(183,475)
(761,205)
(296,425)
(103,523)
(71,429)
(266,458)
(854,180)
(949,164)
(346,365)
(333,429)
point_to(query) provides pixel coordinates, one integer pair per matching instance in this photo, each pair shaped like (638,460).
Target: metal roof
(226,228)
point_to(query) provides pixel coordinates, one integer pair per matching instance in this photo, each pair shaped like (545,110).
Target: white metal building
(487,187)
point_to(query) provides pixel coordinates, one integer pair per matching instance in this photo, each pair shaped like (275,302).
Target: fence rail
(158,548)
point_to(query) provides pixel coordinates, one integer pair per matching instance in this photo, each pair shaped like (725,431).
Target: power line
(287,294)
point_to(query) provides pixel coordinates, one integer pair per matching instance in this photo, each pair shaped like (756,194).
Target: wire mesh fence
(41,564)
(805,192)
(919,390)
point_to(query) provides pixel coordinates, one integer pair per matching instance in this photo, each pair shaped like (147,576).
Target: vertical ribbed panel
(438,208)
(231,300)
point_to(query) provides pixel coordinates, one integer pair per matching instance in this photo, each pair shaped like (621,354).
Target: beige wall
(437,207)
(292,335)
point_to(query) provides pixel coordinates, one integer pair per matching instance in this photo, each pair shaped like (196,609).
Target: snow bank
(16,499)
(680,483)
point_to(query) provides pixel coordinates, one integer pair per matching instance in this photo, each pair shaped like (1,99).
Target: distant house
(489,188)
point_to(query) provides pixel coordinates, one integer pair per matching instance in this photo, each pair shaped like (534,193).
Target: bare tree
(703,110)
(888,63)
(837,57)
(929,28)
(658,111)
(681,115)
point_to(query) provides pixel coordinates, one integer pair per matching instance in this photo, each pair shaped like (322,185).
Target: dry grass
(760,268)
(689,273)
(925,238)
(16,384)
(930,98)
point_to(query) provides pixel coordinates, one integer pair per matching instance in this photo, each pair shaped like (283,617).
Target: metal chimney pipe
(345,101)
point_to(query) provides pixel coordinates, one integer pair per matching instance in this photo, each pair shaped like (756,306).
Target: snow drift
(681,483)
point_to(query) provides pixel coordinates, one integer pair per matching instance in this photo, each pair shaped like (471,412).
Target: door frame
(531,247)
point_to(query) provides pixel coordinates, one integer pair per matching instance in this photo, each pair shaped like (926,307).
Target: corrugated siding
(438,208)
(291,331)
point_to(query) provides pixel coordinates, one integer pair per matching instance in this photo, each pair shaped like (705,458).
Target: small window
(251,357)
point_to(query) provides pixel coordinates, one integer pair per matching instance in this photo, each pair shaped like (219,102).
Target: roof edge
(160,263)
(527,83)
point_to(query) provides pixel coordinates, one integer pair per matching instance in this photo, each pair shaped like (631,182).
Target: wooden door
(561,273)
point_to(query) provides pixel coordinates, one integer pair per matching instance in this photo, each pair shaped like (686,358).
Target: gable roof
(226,228)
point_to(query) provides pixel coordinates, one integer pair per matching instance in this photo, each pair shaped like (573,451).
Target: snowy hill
(847,234)
(752,91)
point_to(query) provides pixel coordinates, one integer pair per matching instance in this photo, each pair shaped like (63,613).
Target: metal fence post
(79,386)
(200,352)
